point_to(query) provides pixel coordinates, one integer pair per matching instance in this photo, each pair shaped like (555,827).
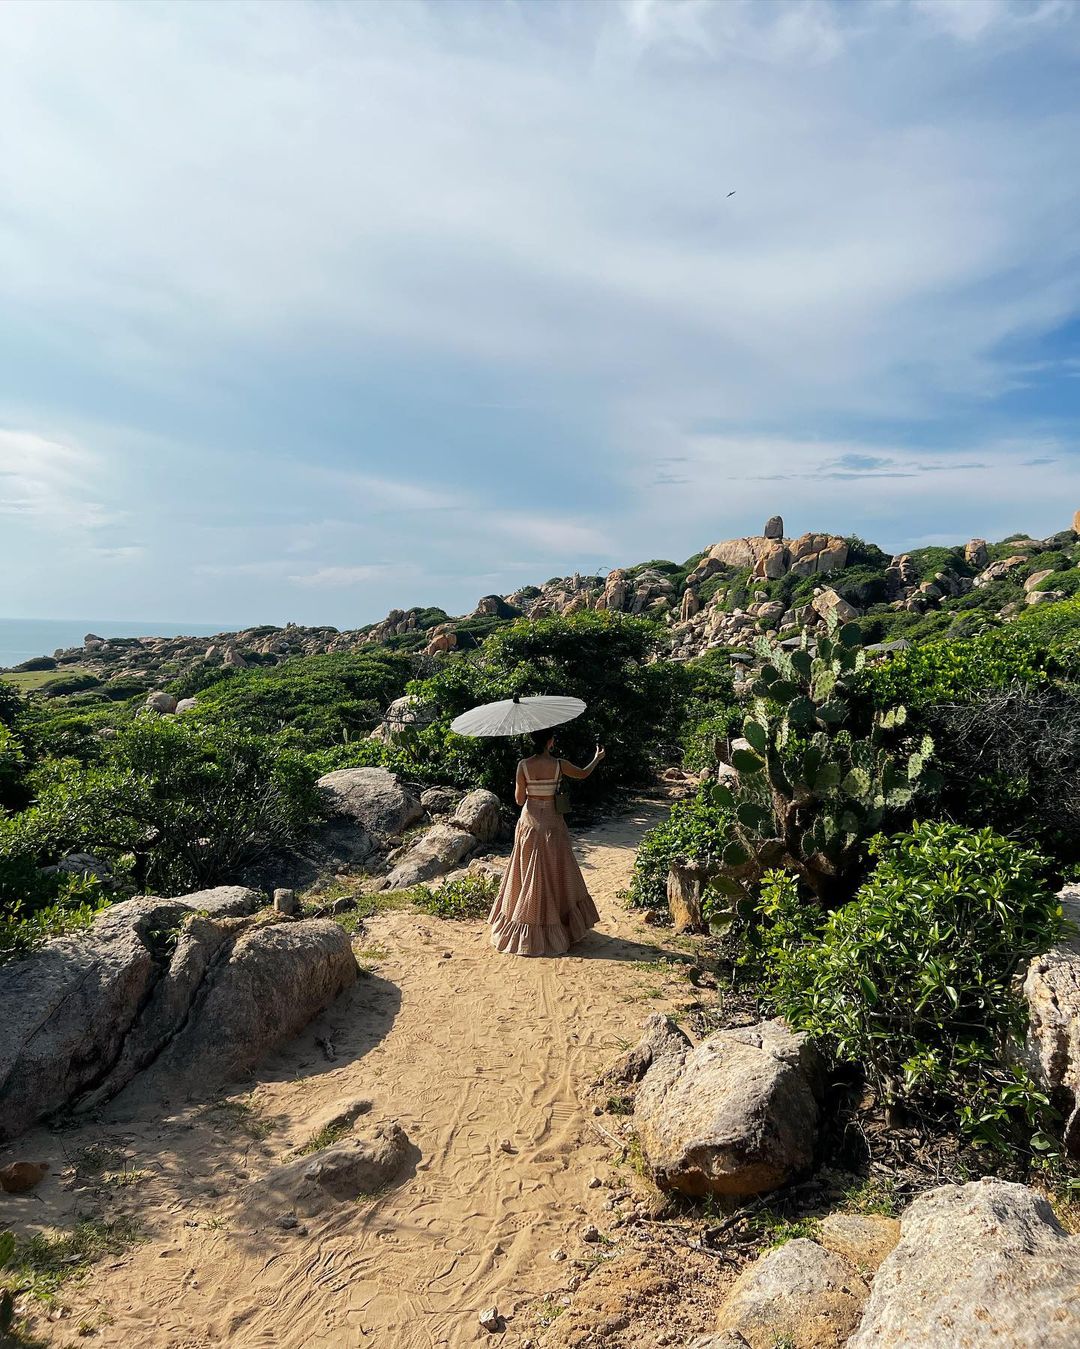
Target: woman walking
(543,905)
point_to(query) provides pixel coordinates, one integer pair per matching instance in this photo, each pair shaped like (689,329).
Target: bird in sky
(732,193)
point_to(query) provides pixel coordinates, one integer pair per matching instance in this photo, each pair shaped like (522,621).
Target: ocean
(22,638)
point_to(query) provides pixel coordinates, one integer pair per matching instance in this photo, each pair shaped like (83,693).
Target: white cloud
(513,191)
(51,483)
(341,575)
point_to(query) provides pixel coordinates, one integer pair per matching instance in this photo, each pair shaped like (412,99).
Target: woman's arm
(573,771)
(520,790)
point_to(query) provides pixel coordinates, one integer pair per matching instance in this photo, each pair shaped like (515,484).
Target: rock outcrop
(978,1266)
(660,1038)
(738,1115)
(158,980)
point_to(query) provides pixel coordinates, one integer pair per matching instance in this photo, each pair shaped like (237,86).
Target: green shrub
(319,701)
(912,980)
(608,660)
(1010,759)
(180,804)
(950,672)
(13,790)
(695,828)
(464,897)
(65,684)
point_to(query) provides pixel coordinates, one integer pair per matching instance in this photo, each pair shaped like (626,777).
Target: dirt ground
(485,1061)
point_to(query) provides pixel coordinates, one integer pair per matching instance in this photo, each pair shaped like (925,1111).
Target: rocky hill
(721,597)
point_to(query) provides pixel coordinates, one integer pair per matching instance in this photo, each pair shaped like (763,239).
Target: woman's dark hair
(540,740)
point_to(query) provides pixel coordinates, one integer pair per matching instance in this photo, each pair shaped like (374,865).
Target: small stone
(287,1220)
(590,1233)
(301,1231)
(447,955)
(558,1255)
(595,1182)
(506,1146)
(490,1319)
(285,901)
(598,1109)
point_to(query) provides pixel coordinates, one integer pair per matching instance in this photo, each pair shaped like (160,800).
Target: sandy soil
(483,1059)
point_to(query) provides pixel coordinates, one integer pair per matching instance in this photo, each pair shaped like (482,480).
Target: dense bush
(695,828)
(319,701)
(709,711)
(912,980)
(1011,760)
(949,672)
(605,659)
(176,804)
(13,790)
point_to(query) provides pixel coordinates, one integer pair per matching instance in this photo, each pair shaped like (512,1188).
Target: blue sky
(311,310)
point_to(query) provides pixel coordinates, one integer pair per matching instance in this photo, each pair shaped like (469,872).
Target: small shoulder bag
(562,796)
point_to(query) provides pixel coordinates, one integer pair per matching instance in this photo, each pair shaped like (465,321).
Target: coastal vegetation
(881,821)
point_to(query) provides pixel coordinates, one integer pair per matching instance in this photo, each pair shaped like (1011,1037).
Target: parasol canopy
(518,716)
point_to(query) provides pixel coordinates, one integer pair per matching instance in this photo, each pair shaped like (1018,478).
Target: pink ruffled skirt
(544,905)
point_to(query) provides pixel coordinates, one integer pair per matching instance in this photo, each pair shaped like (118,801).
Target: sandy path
(465,1052)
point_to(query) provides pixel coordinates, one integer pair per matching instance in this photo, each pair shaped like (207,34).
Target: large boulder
(800,1295)
(1051,990)
(277,978)
(827,603)
(162,702)
(372,799)
(67,1007)
(979,1266)
(863,1238)
(433,854)
(811,554)
(738,1115)
(156,979)
(480,814)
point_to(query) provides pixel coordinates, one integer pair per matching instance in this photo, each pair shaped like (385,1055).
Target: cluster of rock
(712,607)
(374,824)
(980,1264)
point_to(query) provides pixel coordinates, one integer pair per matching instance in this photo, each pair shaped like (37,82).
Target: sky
(311,310)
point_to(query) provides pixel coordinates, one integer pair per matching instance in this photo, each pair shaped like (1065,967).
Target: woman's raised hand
(601,753)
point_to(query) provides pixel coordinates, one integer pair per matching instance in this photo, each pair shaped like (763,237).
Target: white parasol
(518,716)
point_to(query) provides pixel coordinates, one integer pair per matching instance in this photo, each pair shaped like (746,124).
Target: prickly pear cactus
(816,783)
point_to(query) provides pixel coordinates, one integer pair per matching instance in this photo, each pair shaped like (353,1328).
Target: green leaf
(734,855)
(850,635)
(800,711)
(723,796)
(783,691)
(802,663)
(745,761)
(753,816)
(834,712)
(868,989)
(827,777)
(856,783)
(756,734)
(724,885)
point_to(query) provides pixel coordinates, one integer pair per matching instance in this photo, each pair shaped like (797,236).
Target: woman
(543,904)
